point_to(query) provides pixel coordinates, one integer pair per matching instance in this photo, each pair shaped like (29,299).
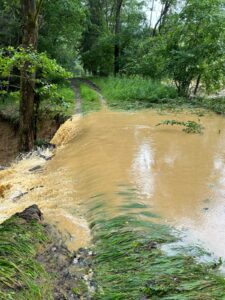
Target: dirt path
(75,83)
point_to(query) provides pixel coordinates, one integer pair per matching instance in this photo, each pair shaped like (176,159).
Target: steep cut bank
(8,142)
(9,137)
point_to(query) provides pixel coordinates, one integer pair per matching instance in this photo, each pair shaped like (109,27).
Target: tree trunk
(163,15)
(117,38)
(37,105)
(30,28)
(152,8)
(197,85)
(183,88)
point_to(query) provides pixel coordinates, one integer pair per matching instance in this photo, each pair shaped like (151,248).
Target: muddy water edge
(130,183)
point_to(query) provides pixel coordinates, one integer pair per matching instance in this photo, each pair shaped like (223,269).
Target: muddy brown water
(177,175)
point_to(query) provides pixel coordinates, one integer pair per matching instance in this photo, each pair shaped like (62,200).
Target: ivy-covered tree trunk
(117,38)
(30,28)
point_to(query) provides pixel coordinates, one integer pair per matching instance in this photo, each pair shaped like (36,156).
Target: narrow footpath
(75,83)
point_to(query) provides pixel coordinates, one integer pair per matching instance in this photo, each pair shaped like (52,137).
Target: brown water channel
(177,175)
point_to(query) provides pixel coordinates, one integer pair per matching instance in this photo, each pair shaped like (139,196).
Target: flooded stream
(178,176)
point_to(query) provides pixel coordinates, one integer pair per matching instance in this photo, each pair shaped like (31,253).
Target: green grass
(21,275)
(90,99)
(134,92)
(139,93)
(9,107)
(129,262)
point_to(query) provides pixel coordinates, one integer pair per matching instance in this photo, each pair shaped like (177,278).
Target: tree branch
(38,10)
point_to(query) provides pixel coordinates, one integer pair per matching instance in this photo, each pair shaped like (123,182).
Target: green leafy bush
(53,94)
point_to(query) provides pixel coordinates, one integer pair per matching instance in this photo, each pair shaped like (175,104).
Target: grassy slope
(90,99)
(21,276)
(134,93)
(139,93)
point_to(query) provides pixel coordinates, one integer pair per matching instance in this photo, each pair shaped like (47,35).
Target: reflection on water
(180,176)
(142,171)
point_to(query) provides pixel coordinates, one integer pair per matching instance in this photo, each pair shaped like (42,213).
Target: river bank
(9,138)
(36,264)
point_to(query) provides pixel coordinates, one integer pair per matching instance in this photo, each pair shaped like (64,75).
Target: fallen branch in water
(190,126)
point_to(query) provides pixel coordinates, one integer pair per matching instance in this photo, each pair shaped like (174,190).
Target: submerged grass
(21,275)
(130,262)
(90,99)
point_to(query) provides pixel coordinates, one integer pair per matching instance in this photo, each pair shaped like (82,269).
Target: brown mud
(9,138)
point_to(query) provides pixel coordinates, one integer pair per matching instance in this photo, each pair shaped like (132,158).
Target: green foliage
(61,27)
(190,126)
(10,21)
(90,99)
(134,92)
(47,69)
(147,58)
(61,103)
(195,46)
(97,46)
(48,72)
(19,269)
(9,107)
(189,45)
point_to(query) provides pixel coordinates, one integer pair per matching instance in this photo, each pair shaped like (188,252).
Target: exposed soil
(8,142)
(9,138)
(71,272)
